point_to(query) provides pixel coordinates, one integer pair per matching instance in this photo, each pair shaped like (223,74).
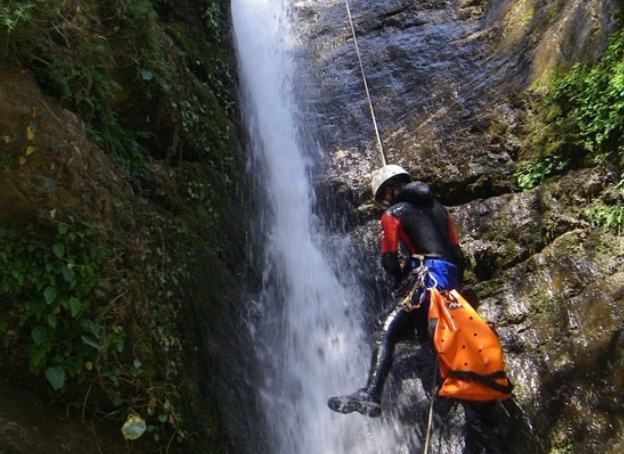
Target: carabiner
(435,282)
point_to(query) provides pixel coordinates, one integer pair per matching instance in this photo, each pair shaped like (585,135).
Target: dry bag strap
(486,380)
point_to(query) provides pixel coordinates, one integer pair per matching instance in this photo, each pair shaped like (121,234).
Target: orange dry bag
(469,352)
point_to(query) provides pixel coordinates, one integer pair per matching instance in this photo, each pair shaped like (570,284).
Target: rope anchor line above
(370,103)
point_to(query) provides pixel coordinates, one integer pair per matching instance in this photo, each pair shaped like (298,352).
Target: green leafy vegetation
(107,61)
(13,14)
(537,171)
(609,217)
(66,317)
(584,117)
(102,310)
(591,103)
(47,284)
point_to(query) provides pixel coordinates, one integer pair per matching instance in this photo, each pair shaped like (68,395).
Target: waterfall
(305,323)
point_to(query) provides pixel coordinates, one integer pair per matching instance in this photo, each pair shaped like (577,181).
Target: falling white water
(306,325)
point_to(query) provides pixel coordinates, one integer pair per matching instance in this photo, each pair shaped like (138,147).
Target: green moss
(528,15)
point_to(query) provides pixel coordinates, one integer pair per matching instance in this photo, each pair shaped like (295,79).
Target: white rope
(430,417)
(370,103)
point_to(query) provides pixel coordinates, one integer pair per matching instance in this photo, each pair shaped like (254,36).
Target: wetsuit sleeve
(451,231)
(391,228)
(458,254)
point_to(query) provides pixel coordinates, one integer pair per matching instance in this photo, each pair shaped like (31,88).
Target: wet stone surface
(445,79)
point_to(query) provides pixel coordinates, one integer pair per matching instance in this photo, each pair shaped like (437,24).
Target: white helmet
(384,175)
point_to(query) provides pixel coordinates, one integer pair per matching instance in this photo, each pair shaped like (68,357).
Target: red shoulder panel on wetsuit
(392,232)
(452,237)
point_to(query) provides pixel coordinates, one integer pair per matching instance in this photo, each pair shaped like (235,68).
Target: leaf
(30,150)
(30,134)
(59,250)
(56,377)
(74,306)
(52,320)
(68,273)
(162,418)
(48,182)
(90,342)
(49,294)
(39,334)
(146,74)
(134,427)
(37,359)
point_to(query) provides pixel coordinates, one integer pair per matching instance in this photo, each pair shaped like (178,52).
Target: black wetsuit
(419,224)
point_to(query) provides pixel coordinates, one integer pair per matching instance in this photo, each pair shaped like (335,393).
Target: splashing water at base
(305,324)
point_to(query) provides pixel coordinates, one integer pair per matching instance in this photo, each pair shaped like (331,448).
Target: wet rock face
(446,80)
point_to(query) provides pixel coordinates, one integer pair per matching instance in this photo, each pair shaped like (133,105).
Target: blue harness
(426,274)
(444,273)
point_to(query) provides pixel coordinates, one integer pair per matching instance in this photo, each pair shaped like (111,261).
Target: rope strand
(430,416)
(370,103)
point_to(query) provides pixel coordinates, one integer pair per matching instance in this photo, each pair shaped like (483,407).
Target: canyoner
(417,234)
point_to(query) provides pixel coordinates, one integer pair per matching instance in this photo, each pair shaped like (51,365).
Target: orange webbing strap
(469,352)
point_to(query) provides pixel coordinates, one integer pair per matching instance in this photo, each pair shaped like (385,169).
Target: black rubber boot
(379,369)
(359,401)
(367,400)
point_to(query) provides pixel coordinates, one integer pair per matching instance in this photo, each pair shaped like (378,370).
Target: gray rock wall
(447,80)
